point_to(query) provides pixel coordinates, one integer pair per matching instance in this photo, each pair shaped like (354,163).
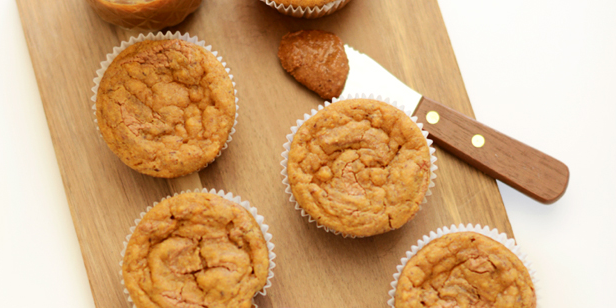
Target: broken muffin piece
(317,60)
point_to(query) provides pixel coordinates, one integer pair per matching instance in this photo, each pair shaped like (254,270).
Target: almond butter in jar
(144,14)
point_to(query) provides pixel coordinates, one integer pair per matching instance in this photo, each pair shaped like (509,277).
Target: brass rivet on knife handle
(478,141)
(526,169)
(432,117)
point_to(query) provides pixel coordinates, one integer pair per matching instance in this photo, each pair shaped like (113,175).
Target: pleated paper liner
(491,233)
(158,37)
(228,196)
(307,12)
(287,147)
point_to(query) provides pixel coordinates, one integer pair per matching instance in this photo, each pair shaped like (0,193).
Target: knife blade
(516,164)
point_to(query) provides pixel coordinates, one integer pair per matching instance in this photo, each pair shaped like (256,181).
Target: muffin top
(317,60)
(196,250)
(144,14)
(129,1)
(166,108)
(360,167)
(463,270)
(304,3)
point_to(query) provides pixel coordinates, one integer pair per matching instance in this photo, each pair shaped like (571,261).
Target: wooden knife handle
(530,171)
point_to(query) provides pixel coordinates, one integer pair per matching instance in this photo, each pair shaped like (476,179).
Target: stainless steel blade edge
(366,76)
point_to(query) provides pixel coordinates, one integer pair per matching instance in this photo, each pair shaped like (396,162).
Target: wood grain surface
(67,41)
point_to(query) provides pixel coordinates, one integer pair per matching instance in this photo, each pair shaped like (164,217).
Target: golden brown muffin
(144,14)
(360,167)
(306,8)
(166,108)
(196,250)
(465,270)
(305,3)
(317,60)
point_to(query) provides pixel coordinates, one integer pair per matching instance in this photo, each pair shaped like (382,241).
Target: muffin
(464,269)
(166,108)
(359,167)
(316,59)
(196,250)
(144,14)
(306,8)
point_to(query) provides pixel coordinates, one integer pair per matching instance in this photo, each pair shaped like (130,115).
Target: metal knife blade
(369,77)
(526,169)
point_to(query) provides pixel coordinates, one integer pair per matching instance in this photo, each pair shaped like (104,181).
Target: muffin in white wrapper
(307,11)
(287,146)
(227,196)
(158,37)
(144,15)
(493,234)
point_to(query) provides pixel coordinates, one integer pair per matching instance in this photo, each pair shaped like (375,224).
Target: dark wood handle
(530,171)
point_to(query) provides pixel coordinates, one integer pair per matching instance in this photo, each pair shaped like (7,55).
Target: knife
(518,165)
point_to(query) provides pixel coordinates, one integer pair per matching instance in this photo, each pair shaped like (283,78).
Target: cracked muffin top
(166,108)
(464,270)
(360,167)
(196,250)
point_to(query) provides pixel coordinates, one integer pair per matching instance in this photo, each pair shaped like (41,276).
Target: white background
(543,72)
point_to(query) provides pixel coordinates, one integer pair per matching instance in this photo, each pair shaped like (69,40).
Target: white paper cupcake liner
(229,196)
(159,36)
(493,234)
(307,12)
(287,147)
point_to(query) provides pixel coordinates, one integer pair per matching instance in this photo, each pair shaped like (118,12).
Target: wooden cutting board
(67,41)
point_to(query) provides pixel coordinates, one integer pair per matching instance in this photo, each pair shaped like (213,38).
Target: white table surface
(543,72)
